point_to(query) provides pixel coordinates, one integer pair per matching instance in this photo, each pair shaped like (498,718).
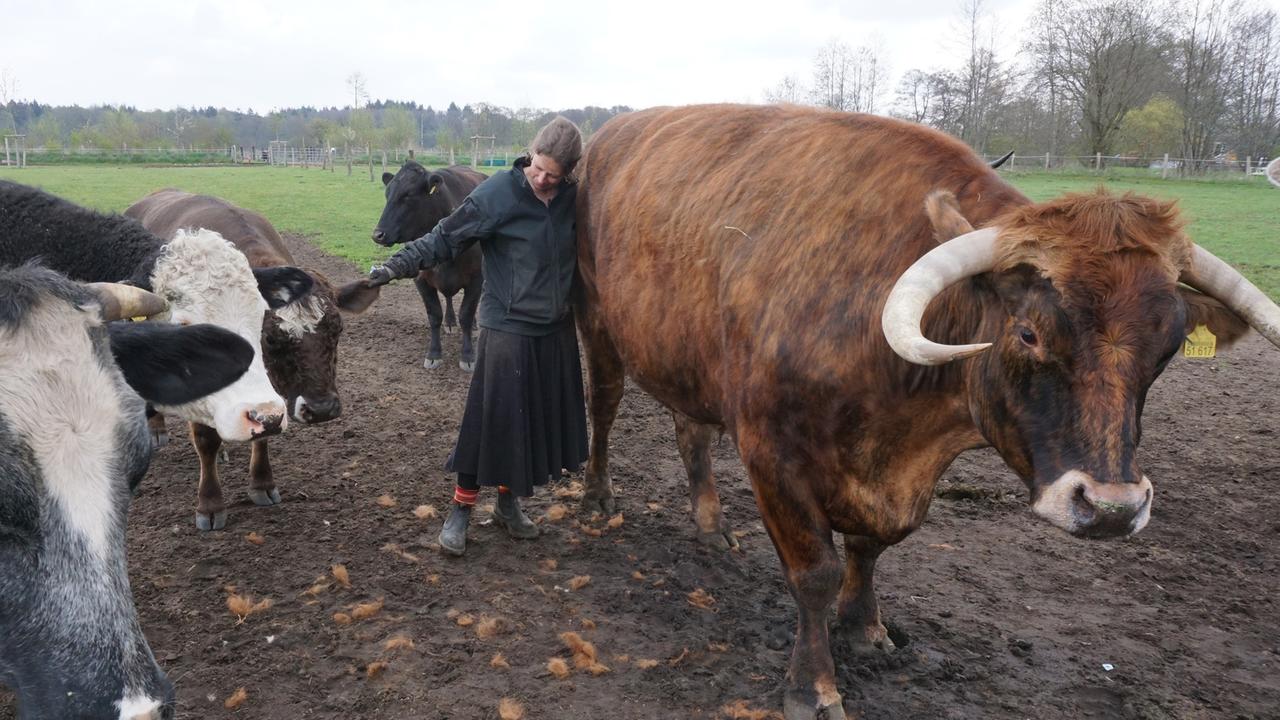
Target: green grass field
(1239,220)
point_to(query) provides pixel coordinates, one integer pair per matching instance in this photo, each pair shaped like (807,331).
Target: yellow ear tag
(140,318)
(432,191)
(1200,343)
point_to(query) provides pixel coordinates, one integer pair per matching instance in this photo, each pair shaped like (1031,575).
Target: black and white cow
(202,276)
(73,440)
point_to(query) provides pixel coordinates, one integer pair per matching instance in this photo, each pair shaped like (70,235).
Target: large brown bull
(299,341)
(736,262)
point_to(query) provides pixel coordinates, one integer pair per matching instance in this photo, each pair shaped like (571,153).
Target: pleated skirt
(525,417)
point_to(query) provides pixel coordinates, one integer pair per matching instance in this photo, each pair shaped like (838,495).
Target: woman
(524,418)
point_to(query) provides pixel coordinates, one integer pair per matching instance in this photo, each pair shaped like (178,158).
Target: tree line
(379,124)
(1197,79)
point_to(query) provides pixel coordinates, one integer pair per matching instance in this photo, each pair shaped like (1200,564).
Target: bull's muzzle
(1084,506)
(317,410)
(265,421)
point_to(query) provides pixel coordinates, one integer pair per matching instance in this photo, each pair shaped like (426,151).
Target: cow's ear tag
(432,191)
(1200,343)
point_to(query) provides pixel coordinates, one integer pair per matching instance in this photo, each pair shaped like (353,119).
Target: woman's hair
(561,141)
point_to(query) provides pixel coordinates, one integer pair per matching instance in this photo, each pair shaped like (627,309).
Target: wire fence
(1163,166)
(351,157)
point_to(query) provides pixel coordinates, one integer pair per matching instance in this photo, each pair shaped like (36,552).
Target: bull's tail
(450,320)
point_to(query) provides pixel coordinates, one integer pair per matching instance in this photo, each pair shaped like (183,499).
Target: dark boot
(453,536)
(509,515)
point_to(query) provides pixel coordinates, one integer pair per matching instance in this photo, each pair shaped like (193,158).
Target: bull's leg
(155,424)
(211,510)
(434,317)
(450,320)
(262,486)
(801,533)
(694,440)
(857,610)
(605,382)
(467,321)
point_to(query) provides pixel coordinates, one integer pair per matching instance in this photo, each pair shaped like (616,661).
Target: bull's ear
(1204,310)
(433,183)
(282,285)
(387,178)
(173,364)
(944,214)
(356,297)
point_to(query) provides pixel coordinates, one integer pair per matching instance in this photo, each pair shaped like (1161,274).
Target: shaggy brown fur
(746,296)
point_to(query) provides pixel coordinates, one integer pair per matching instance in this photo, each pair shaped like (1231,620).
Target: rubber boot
(453,536)
(508,514)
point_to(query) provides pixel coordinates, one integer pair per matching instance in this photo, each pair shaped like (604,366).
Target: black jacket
(530,251)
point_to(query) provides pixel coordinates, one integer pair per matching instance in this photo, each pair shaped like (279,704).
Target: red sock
(504,489)
(463,496)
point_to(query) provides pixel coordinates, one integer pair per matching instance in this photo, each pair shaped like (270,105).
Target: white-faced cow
(417,199)
(299,340)
(748,297)
(73,442)
(204,278)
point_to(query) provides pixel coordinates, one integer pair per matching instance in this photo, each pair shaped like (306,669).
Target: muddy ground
(998,614)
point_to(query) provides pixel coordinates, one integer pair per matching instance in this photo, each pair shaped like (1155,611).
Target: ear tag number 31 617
(1200,343)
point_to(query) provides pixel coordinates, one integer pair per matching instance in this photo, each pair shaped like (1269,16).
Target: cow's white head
(206,279)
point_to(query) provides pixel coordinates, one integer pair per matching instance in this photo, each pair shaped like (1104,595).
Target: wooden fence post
(369,152)
(346,149)
(1164,168)
(1046,161)
(1248,165)
(1097,162)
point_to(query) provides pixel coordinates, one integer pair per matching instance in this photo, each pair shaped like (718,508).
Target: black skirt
(525,417)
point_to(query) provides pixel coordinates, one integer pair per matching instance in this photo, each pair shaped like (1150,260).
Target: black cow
(417,199)
(73,441)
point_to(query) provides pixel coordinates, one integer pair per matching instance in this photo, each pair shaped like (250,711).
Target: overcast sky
(250,54)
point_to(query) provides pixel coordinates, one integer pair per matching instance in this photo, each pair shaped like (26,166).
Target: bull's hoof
(468,366)
(206,522)
(794,708)
(159,439)
(431,363)
(265,497)
(603,503)
(718,539)
(865,640)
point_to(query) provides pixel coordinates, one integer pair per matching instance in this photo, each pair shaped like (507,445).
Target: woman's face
(544,174)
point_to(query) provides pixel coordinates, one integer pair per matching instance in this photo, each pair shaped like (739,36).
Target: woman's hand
(379,275)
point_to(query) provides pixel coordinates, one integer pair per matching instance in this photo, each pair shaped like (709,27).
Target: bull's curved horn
(126,301)
(1220,281)
(1000,160)
(965,256)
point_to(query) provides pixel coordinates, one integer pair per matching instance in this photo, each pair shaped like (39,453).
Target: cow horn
(126,301)
(1220,281)
(965,256)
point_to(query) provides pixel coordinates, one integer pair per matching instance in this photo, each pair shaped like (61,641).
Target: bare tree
(1105,56)
(914,98)
(847,79)
(788,90)
(984,79)
(1202,69)
(8,86)
(359,88)
(1253,100)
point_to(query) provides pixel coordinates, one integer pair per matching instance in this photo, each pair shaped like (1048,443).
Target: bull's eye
(1027,336)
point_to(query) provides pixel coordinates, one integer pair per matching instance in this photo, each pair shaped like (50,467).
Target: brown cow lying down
(1066,311)
(299,341)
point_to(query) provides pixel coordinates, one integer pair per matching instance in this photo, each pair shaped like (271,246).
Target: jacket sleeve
(446,241)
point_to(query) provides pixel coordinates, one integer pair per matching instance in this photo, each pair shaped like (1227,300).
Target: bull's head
(414,205)
(1083,307)
(300,348)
